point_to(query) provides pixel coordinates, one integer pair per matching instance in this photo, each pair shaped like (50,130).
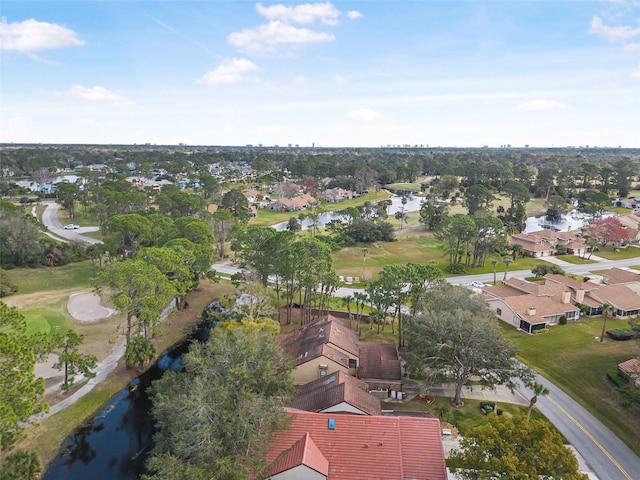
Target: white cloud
(229,71)
(300,81)
(31,35)
(340,80)
(97,94)
(266,38)
(364,115)
(619,34)
(541,106)
(632,47)
(303,14)
(353,14)
(636,74)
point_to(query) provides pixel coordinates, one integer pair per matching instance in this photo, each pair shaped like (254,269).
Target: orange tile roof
(368,447)
(303,452)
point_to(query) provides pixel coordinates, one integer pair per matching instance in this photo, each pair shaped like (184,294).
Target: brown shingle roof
(379,361)
(619,275)
(630,366)
(369,447)
(334,389)
(320,339)
(618,295)
(544,307)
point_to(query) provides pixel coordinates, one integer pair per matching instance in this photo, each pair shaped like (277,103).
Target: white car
(71,226)
(476,284)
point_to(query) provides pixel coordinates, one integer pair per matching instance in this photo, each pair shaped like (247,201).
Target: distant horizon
(341,74)
(320,147)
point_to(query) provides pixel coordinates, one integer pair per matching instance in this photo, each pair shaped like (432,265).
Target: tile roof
(379,361)
(303,452)
(571,282)
(329,391)
(503,291)
(367,447)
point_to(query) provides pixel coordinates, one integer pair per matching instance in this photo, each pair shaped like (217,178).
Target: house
(334,195)
(336,393)
(328,346)
(623,297)
(531,306)
(546,243)
(629,371)
(626,202)
(619,275)
(355,447)
(292,204)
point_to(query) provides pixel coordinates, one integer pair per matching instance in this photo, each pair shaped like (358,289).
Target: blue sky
(362,73)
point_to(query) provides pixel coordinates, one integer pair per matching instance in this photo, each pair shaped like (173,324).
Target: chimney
(531,311)
(566,297)
(580,295)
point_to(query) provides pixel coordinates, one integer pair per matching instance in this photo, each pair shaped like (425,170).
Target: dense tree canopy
(215,419)
(21,392)
(454,337)
(515,449)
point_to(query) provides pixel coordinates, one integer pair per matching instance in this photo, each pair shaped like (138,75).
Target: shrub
(540,330)
(7,288)
(622,333)
(615,378)
(562,320)
(456,268)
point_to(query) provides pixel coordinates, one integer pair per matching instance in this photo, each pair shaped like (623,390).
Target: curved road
(50,220)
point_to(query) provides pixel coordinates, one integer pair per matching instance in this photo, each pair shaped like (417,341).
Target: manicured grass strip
(610,252)
(45,320)
(574,259)
(570,357)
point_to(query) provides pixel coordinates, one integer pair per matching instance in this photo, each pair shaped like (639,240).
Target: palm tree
(538,390)
(507,261)
(494,262)
(346,301)
(606,310)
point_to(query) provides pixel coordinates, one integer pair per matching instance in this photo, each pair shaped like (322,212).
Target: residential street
(50,220)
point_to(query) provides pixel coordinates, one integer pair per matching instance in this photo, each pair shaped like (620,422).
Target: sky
(543,73)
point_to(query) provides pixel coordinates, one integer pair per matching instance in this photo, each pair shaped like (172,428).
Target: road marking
(586,432)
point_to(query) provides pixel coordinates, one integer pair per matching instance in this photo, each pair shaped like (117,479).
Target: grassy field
(415,247)
(45,320)
(407,187)
(32,280)
(571,358)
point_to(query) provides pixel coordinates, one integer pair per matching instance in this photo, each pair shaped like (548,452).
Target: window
(498,311)
(323,370)
(353,363)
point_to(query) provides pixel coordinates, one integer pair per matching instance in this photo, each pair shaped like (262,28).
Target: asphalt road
(607,456)
(50,220)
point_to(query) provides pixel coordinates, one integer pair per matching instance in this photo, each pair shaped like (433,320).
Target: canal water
(115,442)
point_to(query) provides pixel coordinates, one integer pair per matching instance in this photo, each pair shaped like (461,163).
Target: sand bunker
(87,307)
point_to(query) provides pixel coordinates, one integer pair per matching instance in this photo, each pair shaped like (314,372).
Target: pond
(115,442)
(572,220)
(413,204)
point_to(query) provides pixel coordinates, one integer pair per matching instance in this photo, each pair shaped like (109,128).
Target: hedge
(613,376)
(623,333)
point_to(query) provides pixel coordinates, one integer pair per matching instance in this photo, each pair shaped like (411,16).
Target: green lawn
(574,259)
(571,358)
(610,252)
(45,320)
(418,247)
(33,280)
(407,187)
(90,221)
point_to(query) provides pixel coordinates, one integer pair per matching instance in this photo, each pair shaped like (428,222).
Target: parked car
(71,226)
(477,284)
